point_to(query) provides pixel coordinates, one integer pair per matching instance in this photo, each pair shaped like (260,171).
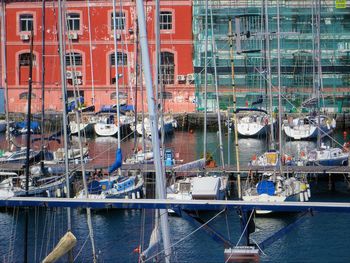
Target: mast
(29,104)
(4,70)
(267,40)
(43,86)
(319,82)
(234,109)
(116,70)
(61,36)
(91,57)
(216,89)
(160,183)
(205,81)
(279,84)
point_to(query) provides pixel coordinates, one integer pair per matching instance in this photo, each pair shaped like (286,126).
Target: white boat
(169,125)
(276,188)
(328,156)
(255,124)
(198,188)
(307,128)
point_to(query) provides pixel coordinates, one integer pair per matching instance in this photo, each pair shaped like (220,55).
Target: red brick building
(90,49)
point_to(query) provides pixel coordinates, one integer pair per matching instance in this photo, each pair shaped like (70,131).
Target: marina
(195,131)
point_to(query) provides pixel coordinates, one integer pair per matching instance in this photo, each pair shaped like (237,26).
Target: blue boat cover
(34,125)
(266,187)
(118,161)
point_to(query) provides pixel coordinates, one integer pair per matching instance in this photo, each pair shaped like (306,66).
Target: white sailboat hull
(103,129)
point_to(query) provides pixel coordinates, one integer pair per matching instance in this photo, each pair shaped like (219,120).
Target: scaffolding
(297,52)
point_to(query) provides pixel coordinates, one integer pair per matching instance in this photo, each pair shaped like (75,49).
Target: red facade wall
(177,41)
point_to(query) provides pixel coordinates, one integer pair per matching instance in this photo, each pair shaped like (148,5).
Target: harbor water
(322,237)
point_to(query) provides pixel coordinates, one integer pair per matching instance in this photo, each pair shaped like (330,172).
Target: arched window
(167,67)
(122,59)
(74,59)
(24,59)
(25,95)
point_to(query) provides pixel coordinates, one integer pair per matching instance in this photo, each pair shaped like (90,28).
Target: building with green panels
(299,56)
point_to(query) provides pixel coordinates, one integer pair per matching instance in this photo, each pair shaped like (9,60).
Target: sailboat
(275,187)
(255,124)
(309,127)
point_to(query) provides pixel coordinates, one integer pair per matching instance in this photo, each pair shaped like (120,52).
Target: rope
(185,237)
(86,240)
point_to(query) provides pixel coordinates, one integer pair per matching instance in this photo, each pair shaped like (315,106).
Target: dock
(149,168)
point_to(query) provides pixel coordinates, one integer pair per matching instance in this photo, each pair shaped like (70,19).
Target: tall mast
(116,68)
(4,69)
(234,109)
(279,84)
(61,37)
(319,67)
(160,183)
(267,40)
(91,57)
(29,105)
(216,88)
(205,81)
(43,25)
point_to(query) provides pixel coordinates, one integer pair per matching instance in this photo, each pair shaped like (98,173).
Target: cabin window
(119,21)
(25,95)
(122,59)
(26,22)
(167,67)
(73,21)
(166,20)
(74,59)
(24,59)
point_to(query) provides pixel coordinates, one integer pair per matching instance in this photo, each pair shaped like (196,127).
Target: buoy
(138,196)
(301,196)
(306,197)
(58,192)
(133,196)
(126,197)
(65,189)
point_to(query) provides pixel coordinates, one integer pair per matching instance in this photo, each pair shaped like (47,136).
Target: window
(122,59)
(26,22)
(119,21)
(167,67)
(73,21)
(74,59)
(166,20)
(24,59)
(25,95)
(122,96)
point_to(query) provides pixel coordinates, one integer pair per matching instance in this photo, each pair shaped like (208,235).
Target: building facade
(89,53)
(299,52)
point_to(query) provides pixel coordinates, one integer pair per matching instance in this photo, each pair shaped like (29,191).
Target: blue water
(323,237)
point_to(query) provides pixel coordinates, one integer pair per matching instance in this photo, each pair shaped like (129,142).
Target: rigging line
(86,240)
(256,243)
(91,57)
(185,237)
(43,233)
(12,235)
(239,240)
